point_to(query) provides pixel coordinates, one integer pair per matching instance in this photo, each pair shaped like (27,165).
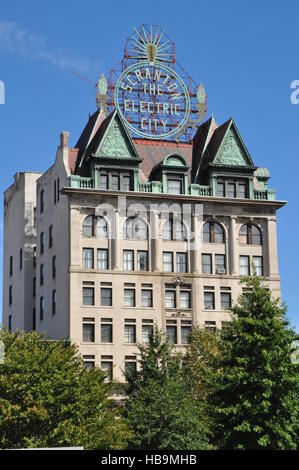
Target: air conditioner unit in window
(220,271)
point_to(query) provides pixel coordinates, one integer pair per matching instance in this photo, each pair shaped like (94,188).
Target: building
(136,225)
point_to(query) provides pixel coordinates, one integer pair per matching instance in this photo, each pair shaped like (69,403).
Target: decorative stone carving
(231,152)
(115,143)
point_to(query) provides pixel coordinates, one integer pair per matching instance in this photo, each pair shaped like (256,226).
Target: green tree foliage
(48,399)
(256,400)
(161,410)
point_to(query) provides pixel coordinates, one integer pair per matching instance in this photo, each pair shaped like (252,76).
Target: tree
(160,407)
(256,400)
(48,399)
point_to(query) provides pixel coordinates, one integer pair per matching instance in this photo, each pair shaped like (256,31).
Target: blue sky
(245,53)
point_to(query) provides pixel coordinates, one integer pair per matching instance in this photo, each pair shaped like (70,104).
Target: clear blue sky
(245,53)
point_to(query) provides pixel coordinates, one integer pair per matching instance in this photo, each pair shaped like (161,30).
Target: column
(233,251)
(116,242)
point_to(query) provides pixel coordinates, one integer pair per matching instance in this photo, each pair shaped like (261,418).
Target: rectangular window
(41,276)
(34,287)
(186,330)
(174,186)
(9,322)
(181,262)
(128,260)
(21,259)
(53,302)
(42,243)
(167,261)
(58,188)
(130,331)
(185,299)
(130,365)
(142,260)
(106,296)
(107,367)
(231,190)
(171,331)
(258,265)
(88,295)
(220,264)
(244,266)
(106,330)
(115,183)
(242,190)
(102,259)
(220,189)
(129,297)
(41,308)
(55,191)
(42,201)
(170,299)
(209,300)
(34,257)
(206,264)
(88,362)
(147,330)
(210,326)
(10,295)
(54,267)
(87,258)
(88,330)
(50,236)
(226,301)
(103,181)
(146,297)
(10,265)
(126,183)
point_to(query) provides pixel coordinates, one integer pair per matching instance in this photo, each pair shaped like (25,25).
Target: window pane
(220,189)
(107,367)
(220,264)
(126,183)
(171,334)
(243,235)
(130,368)
(167,230)
(181,261)
(101,228)
(256,235)
(102,260)
(231,190)
(209,300)
(242,190)
(147,298)
(170,299)
(128,260)
(106,296)
(139,229)
(225,300)
(88,296)
(88,258)
(89,365)
(179,231)
(142,261)
(103,181)
(130,334)
(185,334)
(88,333)
(87,226)
(218,234)
(174,186)
(244,265)
(207,233)
(185,299)
(258,265)
(129,297)
(207,264)
(167,261)
(115,183)
(147,331)
(106,333)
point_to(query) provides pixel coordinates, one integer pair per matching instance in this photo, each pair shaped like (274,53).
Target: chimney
(64,139)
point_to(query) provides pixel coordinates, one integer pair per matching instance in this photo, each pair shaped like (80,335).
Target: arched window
(101,228)
(88,226)
(173,230)
(250,235)
(135,228)
(213,233)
